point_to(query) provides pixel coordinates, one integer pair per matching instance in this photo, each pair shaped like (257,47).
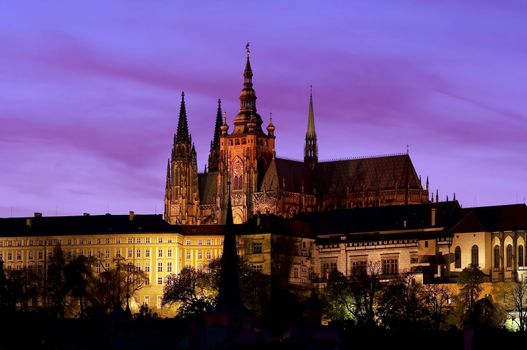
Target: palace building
(267,184)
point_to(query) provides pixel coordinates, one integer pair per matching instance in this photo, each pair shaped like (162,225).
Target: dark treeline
(74,287)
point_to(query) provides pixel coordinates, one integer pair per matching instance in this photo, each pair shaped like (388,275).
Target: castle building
(264,183)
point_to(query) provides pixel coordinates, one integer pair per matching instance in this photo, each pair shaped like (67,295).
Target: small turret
(270,127)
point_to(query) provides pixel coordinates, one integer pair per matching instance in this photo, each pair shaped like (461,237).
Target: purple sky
(89,94)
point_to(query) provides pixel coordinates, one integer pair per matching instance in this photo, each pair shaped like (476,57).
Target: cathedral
(245,161)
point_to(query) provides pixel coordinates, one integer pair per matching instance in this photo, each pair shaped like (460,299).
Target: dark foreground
(44,333)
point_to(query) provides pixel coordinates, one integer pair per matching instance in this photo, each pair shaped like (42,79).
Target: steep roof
(366,174)
(208,187)
(372,219)
(501,217)
(80,225)
(287,175)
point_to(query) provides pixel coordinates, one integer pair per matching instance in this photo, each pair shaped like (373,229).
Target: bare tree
(519,295)
(436,297)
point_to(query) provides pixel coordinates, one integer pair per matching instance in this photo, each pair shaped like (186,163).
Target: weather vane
(247,48)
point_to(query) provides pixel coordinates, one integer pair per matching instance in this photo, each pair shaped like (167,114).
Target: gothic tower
(181,194)
(311,147)
(245,154)
(214,155)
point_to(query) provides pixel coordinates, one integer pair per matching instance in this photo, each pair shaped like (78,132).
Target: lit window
(208,254)
(509,256)
(147,240)
(295,272)
(200,254)
(496,256)
(147,268)
(169,266)
(520,256)
(107,253)
(160,240)
(130,253)
(208,241)
(98,241)
(18,255)
(138,253)
(159,267)
(30,255)
(475,256)
(200,242)
(118,241)
(146,300)
(138,240)
(160,253)
(169,253)
(169,240)
(107,241)
(160,280)
(147,253)
(187,242)
(130,240)
(188,254)
(457,258)
(257,247)
(390,266)
(40,255)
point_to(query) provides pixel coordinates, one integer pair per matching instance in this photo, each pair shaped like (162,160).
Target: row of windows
(474,256)
(88,241)
(208,254)
(243,141)
(100,254)
(206,241)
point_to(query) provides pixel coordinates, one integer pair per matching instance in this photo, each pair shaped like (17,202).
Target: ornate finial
(271,117)
(407,149)
(182,93)
(224,117)
(311,90)
(247,48)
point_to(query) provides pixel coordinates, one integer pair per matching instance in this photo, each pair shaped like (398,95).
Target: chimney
(433,218)
(85,214)
(38,215)
(29,221)
(131,215)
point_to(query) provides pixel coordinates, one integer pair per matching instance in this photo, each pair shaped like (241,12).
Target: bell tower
(181,192)
(245,154)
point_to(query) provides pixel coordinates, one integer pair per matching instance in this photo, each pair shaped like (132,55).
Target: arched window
(496,256)
(509,255)
(457,258)
(520,256)
(475,256)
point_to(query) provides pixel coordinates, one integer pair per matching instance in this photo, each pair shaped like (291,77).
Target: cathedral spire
(182,135)
(217,126)
(229,285)
(311,147)
(214,155)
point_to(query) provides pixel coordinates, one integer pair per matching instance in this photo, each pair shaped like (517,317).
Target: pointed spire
(168,174)
(270,127)
(229,286)
(182,135)
(311,146)
(248,96)
(427,183)
(217,126)
(437,196)
(454,196)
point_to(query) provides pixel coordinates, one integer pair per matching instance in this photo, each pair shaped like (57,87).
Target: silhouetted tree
(486,314)
(78,277)
(6,302)
(519,295)
(191,290)
(401,305)
(55,282)
(113,286)
(436,298)
(357,295)
(470,280)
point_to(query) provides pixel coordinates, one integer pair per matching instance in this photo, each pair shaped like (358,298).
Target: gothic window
(475,256)
(509,256)
(457,258)
(520,256)
(496,256)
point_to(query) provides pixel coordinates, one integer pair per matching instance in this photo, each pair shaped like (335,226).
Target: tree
(355,297)
(470,280)
(519,295)
(192,290)
(6,302)
(401,305)
(114,286)
(436,297)
(55,281)
(78,276)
